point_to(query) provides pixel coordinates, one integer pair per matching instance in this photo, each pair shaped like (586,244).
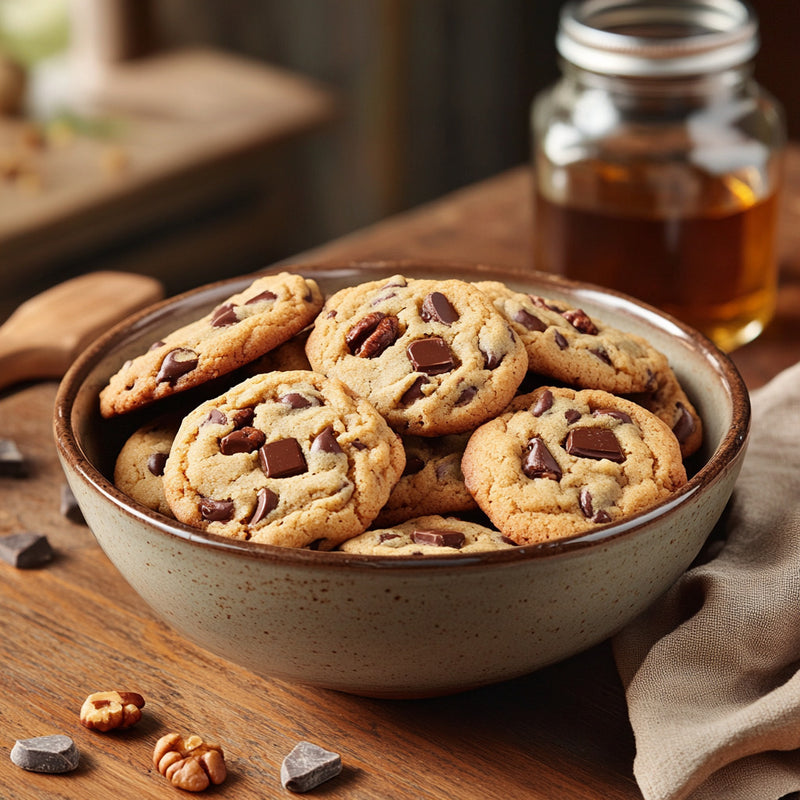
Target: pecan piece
(370,336)
(106,711)
(190,764)
(579,320)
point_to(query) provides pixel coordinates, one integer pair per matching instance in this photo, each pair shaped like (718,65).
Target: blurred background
(196,139)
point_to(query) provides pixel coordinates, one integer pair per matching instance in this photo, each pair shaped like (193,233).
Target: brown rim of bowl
(730,449)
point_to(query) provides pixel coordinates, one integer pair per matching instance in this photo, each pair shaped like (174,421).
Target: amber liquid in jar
(696,245)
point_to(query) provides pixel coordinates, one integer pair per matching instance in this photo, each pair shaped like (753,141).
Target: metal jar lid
(657,38)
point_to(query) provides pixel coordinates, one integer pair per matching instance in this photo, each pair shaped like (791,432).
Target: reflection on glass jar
(657,162)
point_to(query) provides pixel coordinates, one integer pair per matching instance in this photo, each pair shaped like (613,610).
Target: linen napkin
(712,670)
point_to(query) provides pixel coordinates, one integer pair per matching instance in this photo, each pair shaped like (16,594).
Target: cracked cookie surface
(240,329)
(286,458)
(433,357)
(561,462)
(568,345)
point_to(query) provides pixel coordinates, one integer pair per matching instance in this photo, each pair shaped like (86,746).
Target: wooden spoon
(45,334)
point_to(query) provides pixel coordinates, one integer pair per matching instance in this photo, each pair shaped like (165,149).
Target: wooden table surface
(74,626)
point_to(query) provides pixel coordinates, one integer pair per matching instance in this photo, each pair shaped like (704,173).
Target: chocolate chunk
(282,458)
(387,537)
(414,392)
(543,403)
(580,320)
(572,415)
(325,442)
(295,400)
(215,417)
(538,461)
(466,396)
(153,346)
(562,343)
(307,766)
(439,538)
(602,355)
(437,308)
(585,502)
(176,364)
(359,445)
(508,541)
(684,425)
(156,463)
(69,507)
(266,501)
(612,412)
(49,754)
(25,550)
(595,443)
(216,510)
(448,467)
(601,517)
(431,356)
(243,417)
(263,297)
(224,315)
(529,321)
(414,464)
(12,462)
(492,360)
(245,440)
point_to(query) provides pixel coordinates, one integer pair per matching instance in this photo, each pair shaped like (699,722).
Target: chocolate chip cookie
(568,345)
(562,462)
(285,458)
(434,357)
(431,535)
(246,325)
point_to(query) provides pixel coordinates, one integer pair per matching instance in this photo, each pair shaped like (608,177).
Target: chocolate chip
(307,766)
(466,396)
(153,346)
(25,550)
(492,360)
(295,400)
(215,417)
(508,541)
(12,462)
(431,356)
(325,442)
(243,417)
(543,403)
(52,754)
(684,425)
(414,464)
(448,467)
(266,501)
(572,415)
(156,462)
(216,510)
(529,321)
(69,507)
(414,392)
(359,445)
(224,315)
(387,537)
(585,502)
(439,538)
(176,364)
(602,355)
(612,412)
(601,517)
(580,320)
(594,443)
(437,308)
(262,297)
(282,458)
(538,461)
(562,343)
(245,440)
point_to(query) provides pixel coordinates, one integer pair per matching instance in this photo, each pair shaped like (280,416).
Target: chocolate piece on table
(307,766)
(12,462)
(594,443)
(69,505)
(25,550)
(538,461)
(50,754)
(431,356)
(282,458)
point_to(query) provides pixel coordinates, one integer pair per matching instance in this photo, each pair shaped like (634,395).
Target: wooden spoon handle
(46,333)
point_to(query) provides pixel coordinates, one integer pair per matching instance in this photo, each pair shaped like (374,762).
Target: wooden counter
(74,626)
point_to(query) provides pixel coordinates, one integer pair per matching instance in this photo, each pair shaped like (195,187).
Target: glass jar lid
(657,38)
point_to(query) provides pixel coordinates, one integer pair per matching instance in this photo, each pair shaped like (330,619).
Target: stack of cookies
(401,416)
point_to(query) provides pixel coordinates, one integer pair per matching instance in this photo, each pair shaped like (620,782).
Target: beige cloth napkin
(712,670)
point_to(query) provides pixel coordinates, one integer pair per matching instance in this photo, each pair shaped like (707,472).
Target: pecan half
(370,336)
(190,764)
(579,319)
(106,711)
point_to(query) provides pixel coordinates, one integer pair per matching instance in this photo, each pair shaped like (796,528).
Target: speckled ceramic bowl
(411,626)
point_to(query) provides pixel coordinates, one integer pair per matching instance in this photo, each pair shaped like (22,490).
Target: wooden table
(74,626)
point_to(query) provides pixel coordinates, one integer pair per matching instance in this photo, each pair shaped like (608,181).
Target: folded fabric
(712,670)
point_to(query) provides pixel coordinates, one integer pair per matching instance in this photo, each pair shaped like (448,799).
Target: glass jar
(657,161)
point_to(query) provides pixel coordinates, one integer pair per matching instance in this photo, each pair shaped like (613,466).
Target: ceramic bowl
(410,626)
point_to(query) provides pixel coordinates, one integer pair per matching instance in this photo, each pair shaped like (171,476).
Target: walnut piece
(105,711)
(190,764)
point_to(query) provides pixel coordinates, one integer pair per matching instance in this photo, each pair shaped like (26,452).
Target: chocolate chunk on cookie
(240,329)
(568,345)
(561,462)
(286,458)
(434,357)
(431,535)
